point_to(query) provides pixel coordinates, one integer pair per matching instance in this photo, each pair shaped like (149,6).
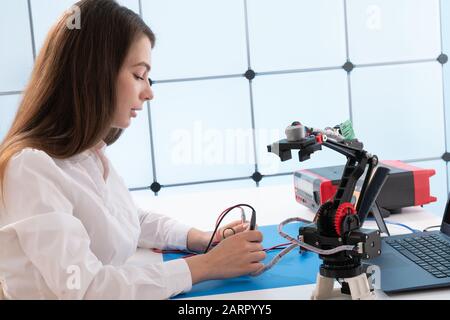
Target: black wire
(431,227)
(220,221)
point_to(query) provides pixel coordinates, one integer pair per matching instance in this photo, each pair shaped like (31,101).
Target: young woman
(68,224)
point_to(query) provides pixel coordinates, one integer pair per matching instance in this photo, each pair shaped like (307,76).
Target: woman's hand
(230,229)
(197,240)
(237,255)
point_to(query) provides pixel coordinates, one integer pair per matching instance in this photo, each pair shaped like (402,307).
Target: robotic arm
(339,222)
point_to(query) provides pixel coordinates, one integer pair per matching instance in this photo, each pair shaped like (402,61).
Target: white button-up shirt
(68,227)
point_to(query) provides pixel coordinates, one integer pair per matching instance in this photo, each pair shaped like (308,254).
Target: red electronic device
(406,186)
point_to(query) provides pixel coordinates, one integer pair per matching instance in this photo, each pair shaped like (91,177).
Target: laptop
(416,261)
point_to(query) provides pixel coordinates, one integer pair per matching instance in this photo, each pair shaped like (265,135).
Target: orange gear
(343,210)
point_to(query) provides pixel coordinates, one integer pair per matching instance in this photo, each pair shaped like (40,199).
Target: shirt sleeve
(161,232)
(50,246)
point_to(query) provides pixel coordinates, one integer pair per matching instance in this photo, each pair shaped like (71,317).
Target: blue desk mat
(293,269)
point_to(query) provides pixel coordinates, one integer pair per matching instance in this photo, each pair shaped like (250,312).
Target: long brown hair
(70,101)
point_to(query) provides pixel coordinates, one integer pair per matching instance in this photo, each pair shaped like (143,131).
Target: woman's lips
(134,112)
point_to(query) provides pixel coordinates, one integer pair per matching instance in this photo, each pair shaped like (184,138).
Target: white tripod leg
(324,289)
(360,288)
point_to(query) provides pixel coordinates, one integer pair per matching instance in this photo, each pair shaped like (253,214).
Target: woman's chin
(122,124)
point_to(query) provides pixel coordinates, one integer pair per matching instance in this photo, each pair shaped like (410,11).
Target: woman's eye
(138,78)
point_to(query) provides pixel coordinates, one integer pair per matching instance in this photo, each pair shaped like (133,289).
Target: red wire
(277,246)
(223,212)
(193,254)
(214,243)
(179,251)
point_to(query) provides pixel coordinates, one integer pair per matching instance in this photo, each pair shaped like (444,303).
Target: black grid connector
(442,59)
(257,177)
(348,66)
(250,74)
(446,157)
(155,187)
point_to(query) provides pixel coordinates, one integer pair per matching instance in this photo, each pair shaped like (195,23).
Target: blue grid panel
(438,185)
(16,53)
(445,24)
(316,99)
(398,111)
(445,20)
(197,38)
(131,153)
(296,34)
(208,187)
(8,108)
(386,30)
(202,130)
(47,12)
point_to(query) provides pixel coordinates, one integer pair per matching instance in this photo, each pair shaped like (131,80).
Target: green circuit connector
(347,130)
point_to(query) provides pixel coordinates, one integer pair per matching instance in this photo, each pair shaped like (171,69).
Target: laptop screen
(445,226)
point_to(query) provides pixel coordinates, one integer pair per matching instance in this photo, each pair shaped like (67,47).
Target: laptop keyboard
(431,252)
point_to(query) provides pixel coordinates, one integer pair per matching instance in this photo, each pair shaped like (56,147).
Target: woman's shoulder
(30,161)
(33,182)
(30,170)
(31,156)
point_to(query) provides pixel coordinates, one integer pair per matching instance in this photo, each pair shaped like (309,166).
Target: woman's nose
(148,92)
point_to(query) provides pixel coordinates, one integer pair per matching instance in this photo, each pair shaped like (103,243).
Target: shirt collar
(100,146)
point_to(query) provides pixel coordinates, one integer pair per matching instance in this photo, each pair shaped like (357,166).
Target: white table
(273,204)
